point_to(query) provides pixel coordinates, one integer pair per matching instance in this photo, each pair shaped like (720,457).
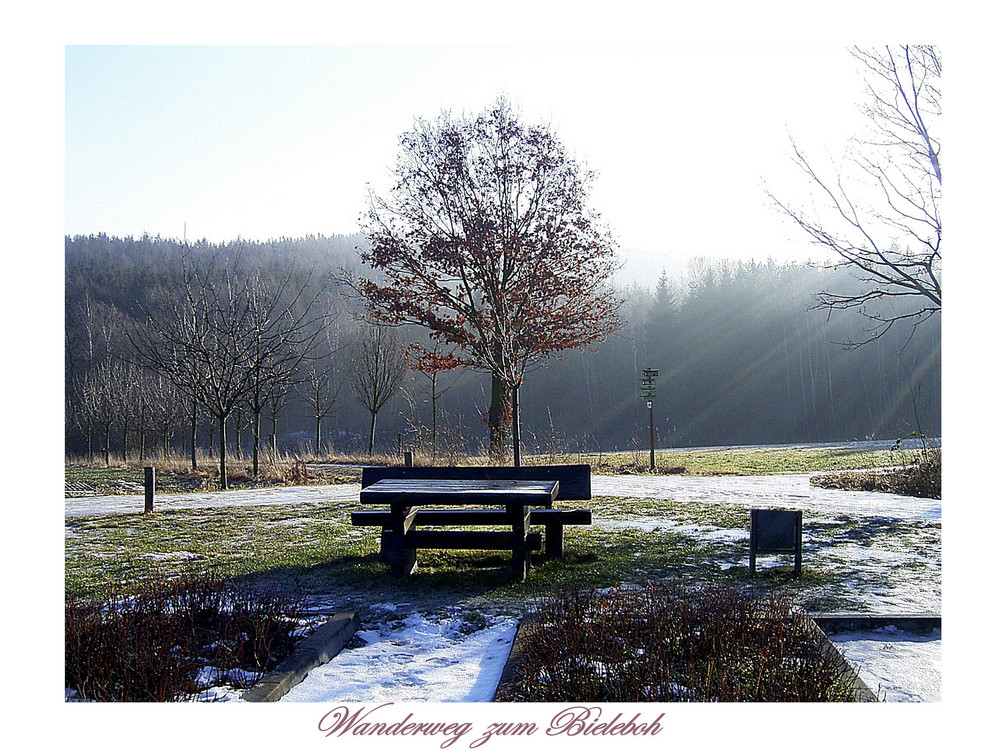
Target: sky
(259,142)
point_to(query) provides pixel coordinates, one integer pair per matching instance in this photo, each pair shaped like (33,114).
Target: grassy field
(752,461)
(314,550)
(175,474)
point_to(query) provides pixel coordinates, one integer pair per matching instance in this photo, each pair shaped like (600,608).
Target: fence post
(150,478)
(408,458)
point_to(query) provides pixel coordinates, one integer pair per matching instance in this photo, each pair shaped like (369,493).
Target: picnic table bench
(524,494)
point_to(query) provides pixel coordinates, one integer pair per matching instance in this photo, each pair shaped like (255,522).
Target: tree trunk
(371,435)
(125,440)
(256,442)
(194,437)
(499,406)
(434,417)
(223,477)
(515,422)
(319,434)
(142,435)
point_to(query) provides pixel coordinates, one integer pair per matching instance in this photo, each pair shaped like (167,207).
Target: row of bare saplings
(228,351)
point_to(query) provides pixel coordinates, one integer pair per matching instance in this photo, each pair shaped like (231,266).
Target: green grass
(755,461)
(313,549)
(232,542)
(104,475)
(317,543)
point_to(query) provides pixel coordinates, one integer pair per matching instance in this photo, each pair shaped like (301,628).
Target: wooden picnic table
(405,497)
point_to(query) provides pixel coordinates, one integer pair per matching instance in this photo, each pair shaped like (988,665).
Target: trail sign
(647,386)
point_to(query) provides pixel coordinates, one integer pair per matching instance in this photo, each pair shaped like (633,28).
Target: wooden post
(652,454)
(150,485)
(408,458)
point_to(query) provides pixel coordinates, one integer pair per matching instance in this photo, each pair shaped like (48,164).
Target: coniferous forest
(743,358)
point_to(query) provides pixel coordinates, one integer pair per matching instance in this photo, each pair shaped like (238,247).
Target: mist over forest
(742,357)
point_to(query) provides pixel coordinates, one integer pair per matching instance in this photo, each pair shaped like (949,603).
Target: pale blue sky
(262,142)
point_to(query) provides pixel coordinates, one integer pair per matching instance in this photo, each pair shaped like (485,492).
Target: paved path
(790,491)
(109,504)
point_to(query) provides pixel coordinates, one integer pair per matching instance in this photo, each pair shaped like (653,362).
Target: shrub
(919,477)
(152,645)
(667,642)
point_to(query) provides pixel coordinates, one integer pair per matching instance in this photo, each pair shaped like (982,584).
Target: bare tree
(881,216)
(166,408)
(320,380)
(320,387)
(284,327)
(379,365)
(275,401)
(431,363)
(199,340)
(82,410)
(101,401)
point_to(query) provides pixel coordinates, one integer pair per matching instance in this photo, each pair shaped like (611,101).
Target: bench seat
(489,540)
(553,519)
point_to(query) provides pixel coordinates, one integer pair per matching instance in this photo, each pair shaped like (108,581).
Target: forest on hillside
(743,358)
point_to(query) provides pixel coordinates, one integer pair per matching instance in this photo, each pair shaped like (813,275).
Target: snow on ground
(441,658)
(898,666)
(791,491)
(787,491)
(422,660)
(418,659)
(89,506)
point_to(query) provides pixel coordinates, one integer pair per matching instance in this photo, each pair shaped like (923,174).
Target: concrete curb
(862,692)
(846,621)
(502,693)
(318,648)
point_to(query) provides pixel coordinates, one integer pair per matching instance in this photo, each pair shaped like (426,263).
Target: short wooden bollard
(408,458)
(150,479)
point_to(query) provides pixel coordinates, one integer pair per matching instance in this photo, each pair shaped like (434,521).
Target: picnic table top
(461,491)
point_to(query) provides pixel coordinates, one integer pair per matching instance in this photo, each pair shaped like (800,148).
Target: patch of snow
(651,523)
(898,666)
(213,675)
(423,659)
(86,506)
(161,556)
(786,491)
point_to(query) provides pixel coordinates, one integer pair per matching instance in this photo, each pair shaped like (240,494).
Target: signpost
(149,475)
(648,386)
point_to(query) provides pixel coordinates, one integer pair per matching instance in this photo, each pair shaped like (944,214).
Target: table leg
(520,554)
(554,541)
(397,550)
